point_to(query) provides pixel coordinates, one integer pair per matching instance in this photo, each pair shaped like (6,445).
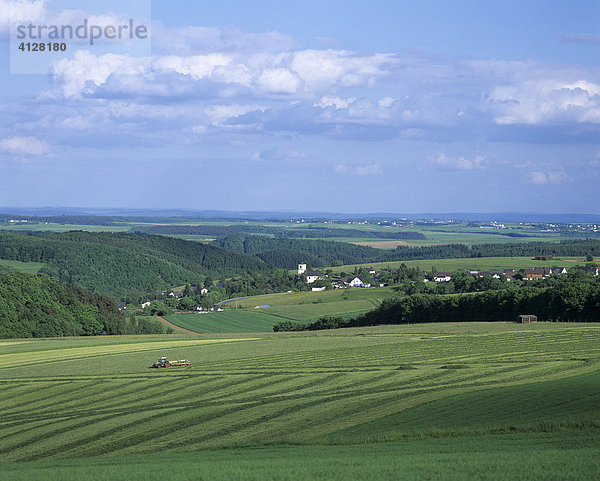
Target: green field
(436,234)
(263,320)
(300,298)
(435,401)
(476,263)
(28,267)
(242,315)
(225,322)
(54,227)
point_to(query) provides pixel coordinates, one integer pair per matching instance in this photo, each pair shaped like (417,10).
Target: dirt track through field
(170,324)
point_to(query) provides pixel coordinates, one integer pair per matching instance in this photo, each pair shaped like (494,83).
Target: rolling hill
(122,265)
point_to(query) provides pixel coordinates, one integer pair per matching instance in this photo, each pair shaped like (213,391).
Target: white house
(312,276)
(358,282)
(146,304)
(301,269)
(203,291)
(317,289)
(558,270)
(442,276)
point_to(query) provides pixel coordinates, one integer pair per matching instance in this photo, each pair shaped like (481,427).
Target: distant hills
(307,215)
(132,266)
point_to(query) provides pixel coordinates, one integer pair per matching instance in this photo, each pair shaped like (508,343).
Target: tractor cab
(162,362)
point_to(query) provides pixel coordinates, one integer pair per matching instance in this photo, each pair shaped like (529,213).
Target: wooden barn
(524,318)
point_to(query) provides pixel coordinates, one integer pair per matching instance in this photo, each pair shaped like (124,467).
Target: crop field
(469,401)
(477,263)
(225,322)
(470,236)
(247,319)
(435,234)
(28,267)
(299,298)
(312,312)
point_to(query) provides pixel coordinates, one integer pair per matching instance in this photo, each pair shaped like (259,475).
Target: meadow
(242,315)
(227,321)
(475,263)
(27,267)
(435,401)
(301,298)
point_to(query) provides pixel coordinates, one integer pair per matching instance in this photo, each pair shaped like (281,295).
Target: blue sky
(380,106)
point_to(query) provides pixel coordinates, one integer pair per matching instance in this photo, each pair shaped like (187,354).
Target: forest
(125,266)
(287,253)
(41,306)
(132,266)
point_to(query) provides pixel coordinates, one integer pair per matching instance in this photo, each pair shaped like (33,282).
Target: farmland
(477,263)
(229,321)
(435,233)
(482,401)
(301,298)
(296,306)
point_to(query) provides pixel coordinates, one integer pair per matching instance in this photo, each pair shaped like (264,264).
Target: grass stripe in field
(565,455)
(293,387)
(526,405)
(12,343)
(226,322)
(53,355)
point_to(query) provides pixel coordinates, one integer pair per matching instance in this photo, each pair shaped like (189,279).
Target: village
(509,274)
(367,278)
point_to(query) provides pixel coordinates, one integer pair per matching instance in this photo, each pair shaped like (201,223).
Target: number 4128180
(42,47)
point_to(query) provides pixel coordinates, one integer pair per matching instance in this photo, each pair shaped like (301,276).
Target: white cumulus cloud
(460,163)
(538,102)
(358,170)
(20,11)
(86,71)
(553,177)
(24,146)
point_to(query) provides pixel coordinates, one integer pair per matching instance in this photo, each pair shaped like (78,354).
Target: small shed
(524,318)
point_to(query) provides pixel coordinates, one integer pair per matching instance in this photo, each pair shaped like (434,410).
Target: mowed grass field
(225,322)
(244,316)
(301,298)
(436,401)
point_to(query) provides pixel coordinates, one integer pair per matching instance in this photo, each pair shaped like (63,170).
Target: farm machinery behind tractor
(164,362)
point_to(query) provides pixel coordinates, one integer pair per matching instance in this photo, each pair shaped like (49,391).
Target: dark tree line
(307,232)
(504,249)
(287,253)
